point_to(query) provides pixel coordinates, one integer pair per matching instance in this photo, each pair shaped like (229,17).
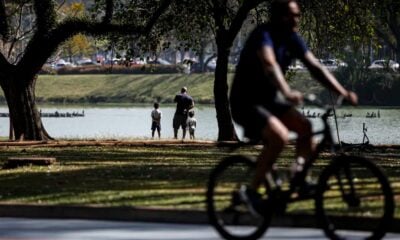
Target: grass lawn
(136,88)
(167,176)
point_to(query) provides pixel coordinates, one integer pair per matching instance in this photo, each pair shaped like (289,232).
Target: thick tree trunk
(25,119)
(225,125)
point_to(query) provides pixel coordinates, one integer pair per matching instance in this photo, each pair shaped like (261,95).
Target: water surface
(129,122)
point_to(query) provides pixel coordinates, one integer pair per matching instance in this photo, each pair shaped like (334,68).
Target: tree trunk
(25,119)
(225,125)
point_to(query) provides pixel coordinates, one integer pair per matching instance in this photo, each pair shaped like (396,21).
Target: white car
(62,64)
(296,66)
(332,64)
(86,62)
(381,64)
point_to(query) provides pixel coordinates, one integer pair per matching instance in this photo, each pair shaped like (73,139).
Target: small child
(191,124)
(156,121)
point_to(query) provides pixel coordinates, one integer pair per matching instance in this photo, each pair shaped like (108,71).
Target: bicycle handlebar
(312,99)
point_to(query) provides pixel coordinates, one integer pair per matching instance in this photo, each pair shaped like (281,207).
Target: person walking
(191,124)
(255,103)
(184,103)
(156,120)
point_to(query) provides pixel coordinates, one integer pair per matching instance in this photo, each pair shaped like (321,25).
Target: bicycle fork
(347,189)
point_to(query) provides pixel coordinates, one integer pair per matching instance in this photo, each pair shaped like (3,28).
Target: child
(156,121)
(191,124)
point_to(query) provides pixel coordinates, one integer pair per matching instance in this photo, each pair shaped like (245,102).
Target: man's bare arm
(326,78)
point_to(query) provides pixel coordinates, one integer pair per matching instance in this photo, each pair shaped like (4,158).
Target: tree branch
(45,15)
(237,21)
(109,11)
(4,27)
(36,55)
(161,9)
(241,16)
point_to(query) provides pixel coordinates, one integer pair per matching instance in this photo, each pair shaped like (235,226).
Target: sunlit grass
(151,176)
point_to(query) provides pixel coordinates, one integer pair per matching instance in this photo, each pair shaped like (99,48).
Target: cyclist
(263,103)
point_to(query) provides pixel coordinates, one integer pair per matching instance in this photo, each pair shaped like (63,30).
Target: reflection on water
(135,122)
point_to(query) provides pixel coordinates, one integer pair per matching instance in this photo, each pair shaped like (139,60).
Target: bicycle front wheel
(354,194)
(227,213)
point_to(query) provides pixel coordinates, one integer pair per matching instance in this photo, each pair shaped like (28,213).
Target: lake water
(134,122)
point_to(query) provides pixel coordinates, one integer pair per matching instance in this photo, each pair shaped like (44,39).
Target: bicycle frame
(327,140)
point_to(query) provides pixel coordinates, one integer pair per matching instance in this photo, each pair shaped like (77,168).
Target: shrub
(120,69)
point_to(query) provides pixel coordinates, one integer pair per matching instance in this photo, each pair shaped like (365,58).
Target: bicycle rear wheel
(227,213)
(354,194)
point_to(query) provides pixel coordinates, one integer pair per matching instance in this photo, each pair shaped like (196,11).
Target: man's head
(285,14)
(183,90)
(156,105)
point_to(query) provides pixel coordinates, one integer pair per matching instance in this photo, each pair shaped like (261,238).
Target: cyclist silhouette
(263,103)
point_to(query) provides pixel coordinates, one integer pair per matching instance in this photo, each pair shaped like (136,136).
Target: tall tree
(387,23)
(229,16)
(17,79)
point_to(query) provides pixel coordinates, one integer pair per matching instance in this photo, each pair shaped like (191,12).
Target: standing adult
(184,103)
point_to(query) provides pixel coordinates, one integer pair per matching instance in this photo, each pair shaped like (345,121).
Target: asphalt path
(57,229)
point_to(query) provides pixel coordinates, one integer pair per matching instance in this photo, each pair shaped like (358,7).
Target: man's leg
(175,125)
(183,132)
(275,136)
(296,122)
(183,124)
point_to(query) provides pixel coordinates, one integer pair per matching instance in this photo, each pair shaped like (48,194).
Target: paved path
(54,229)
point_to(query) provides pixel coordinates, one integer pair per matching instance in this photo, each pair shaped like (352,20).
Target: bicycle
(348,184)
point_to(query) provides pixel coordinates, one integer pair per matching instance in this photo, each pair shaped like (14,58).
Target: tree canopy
(40,27)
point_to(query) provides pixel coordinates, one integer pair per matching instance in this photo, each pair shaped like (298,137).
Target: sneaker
(252,199)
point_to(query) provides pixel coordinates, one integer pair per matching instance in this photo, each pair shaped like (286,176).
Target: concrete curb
(160,215)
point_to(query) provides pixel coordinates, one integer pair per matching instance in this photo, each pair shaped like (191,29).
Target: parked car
(62,64)
(382,64)
(332,63)
(114,61)
(138,61)
(296,66)
(159,61)
(86,62)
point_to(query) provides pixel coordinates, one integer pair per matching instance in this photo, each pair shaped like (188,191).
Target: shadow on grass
(173,177)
